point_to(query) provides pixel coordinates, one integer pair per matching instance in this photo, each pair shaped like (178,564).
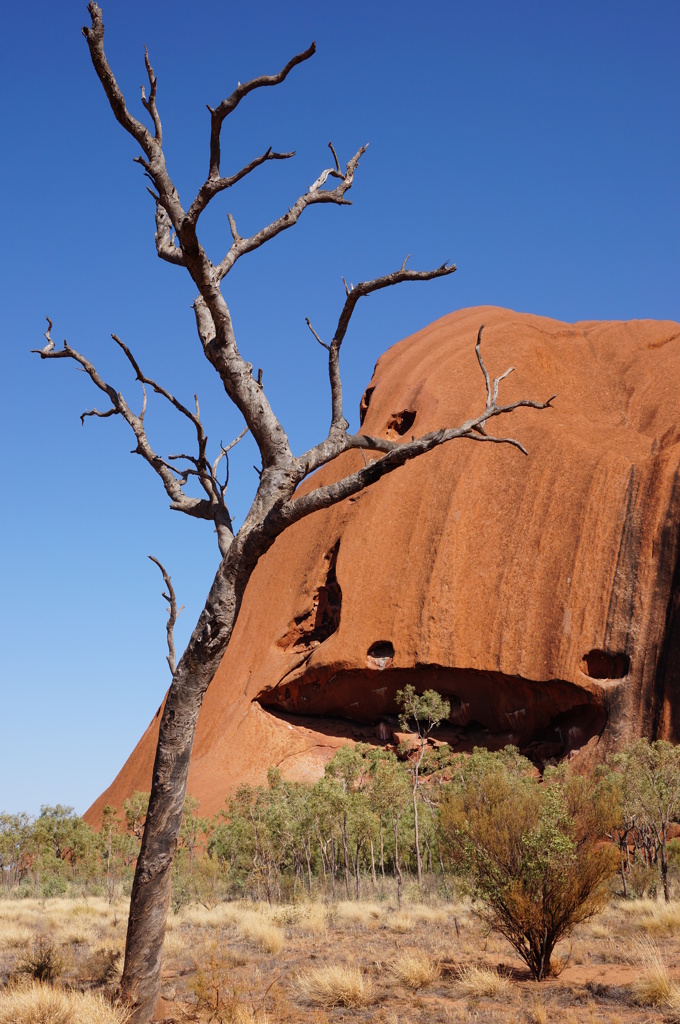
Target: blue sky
(536,144)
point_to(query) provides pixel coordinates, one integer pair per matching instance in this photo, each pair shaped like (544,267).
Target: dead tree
(276,506)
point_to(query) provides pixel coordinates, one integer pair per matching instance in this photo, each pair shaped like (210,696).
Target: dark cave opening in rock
(546,720)
(401,422)
(603,665)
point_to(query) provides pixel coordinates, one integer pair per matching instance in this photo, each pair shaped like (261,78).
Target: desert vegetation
(301,902)
(340,961)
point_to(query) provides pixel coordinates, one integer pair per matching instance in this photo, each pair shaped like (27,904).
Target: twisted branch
(173,613)
(315,194)
(213,507)
(397,453)
(226,107)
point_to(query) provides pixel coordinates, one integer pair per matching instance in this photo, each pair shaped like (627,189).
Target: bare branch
(483,436)
(353,294)
(173,613)
(497,381)
(473,429)
(95,41)
(335,157)
(96,412)
(194,417)
(396,455)
(316,194)
(322,343)
(225,108)
(150,104)
(165,238)
(213,507)
(224,454)
(478,353)
(232,225)
(49,347)
(212,186)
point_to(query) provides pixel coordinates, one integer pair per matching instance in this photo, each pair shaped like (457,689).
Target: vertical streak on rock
(666,707)
(622,598)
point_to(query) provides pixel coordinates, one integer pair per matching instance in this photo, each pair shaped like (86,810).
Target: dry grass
(415,969)
(15,936)
(655,986)
(376,963)
(224,914)
(176,943)
(401,922)
(431,915)
(653,915)
(335,985)
(364,914)
(481,982)
(41,1004)
(312,919)
(262,932)
(539,1013)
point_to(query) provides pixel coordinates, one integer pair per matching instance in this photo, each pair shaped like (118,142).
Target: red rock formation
(541,594)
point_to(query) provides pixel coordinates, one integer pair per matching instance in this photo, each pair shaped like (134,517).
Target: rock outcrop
(541,594)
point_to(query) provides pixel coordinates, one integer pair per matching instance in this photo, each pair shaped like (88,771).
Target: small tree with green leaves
(420,714)
(649,778)
(528,849)
(135,809)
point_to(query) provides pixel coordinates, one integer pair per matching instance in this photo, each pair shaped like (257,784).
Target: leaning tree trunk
(150,899)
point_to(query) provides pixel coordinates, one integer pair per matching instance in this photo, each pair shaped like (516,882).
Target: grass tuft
(655,986)
(402,921)
(335,986)
(539,1014)
(364,914)
(480,982)
(43,961)
(263,933)
(14,936)
(415,969)
(42,1004)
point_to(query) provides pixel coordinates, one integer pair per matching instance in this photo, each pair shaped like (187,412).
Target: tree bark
(150,898)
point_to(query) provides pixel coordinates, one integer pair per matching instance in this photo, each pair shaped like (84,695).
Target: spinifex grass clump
(42,1004)
(335,985)
(44,961)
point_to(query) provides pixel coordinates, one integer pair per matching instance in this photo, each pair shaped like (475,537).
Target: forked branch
(213,506)
(396,453)
(334,442)
(218,114)
(173,613)
(314,195)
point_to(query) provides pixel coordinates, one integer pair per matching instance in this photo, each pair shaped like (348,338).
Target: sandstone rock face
(540,594)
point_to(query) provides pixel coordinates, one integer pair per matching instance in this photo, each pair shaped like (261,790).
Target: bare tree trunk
(150,899)
(664,868)
(345,850)
(419,863)
(382,850)
(397,865)
(308,857)
(333,867)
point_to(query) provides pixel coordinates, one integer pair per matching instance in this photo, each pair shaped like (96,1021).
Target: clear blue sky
(536,144)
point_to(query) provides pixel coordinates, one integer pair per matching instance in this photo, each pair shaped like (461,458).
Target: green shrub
(528,849)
